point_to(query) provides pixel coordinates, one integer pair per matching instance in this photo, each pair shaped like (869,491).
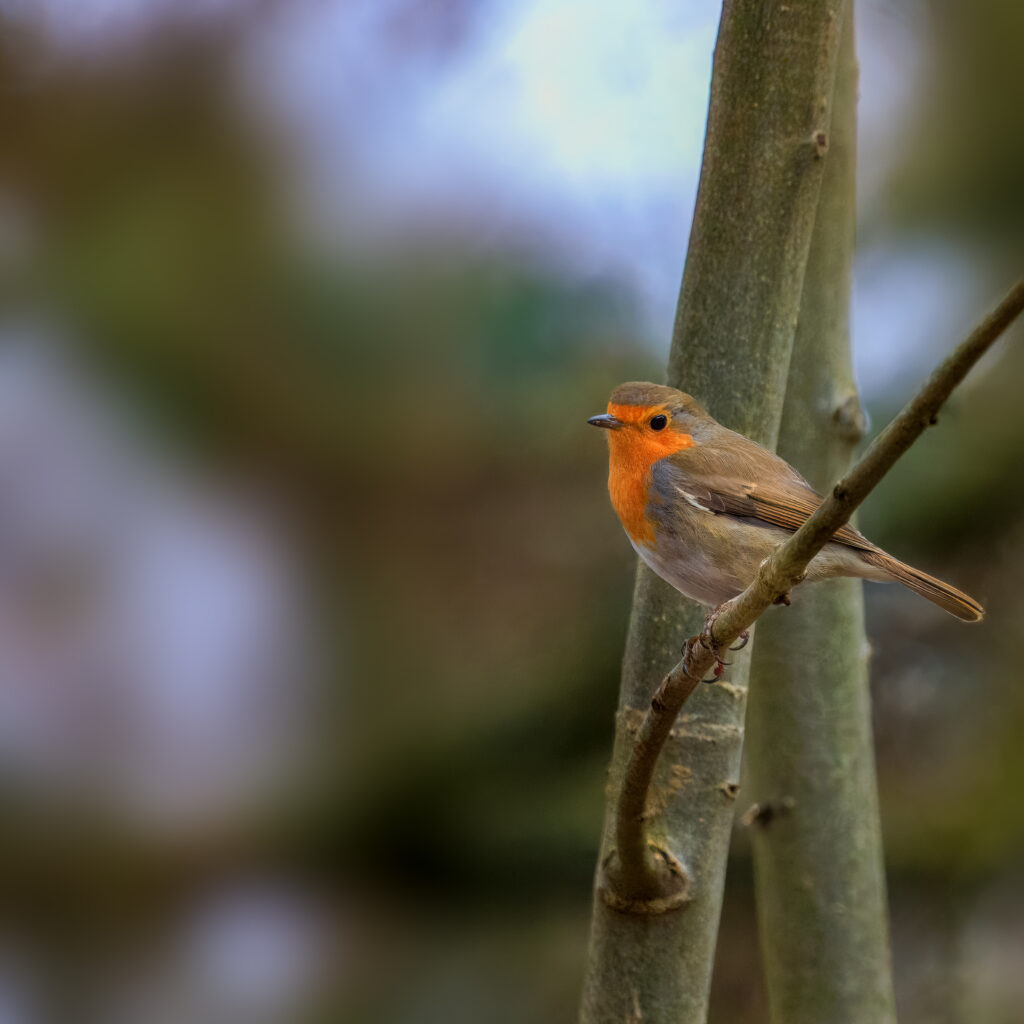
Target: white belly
(691,574)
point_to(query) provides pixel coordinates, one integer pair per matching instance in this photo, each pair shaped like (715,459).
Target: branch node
(820,142)
(762,815)
(666,887)
(850,419)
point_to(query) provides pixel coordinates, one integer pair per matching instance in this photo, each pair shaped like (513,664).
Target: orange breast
(633,450)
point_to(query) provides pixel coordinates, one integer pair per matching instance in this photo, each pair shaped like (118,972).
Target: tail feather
(954,601)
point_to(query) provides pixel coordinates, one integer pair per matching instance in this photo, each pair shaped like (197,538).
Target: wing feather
(734,485)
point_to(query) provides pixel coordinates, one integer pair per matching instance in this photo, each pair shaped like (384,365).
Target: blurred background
(311,599)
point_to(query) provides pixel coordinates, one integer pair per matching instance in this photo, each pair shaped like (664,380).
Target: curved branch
(635,875)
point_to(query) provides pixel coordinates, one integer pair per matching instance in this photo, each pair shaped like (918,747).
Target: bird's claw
(744,640)
(719,669)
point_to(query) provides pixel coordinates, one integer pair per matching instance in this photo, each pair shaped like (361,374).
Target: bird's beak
(606,419)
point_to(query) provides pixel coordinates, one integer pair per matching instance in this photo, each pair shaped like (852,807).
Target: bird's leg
(719,664)
(704,638)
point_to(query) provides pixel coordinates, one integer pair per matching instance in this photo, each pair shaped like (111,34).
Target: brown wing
(789,508)
(748,482)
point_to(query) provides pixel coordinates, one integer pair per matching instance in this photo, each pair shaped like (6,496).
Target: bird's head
(646,422)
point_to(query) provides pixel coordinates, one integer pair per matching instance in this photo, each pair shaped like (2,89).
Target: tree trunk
(817,842)
(768,126)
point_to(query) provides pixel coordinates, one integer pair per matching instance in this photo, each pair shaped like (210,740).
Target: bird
(703,505)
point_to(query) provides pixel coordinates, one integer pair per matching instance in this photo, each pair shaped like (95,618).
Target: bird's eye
(659,422)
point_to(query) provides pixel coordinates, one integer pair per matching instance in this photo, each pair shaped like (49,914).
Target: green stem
(809,765)
(768,126)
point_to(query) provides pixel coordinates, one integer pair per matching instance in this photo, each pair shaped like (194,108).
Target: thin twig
(635,875)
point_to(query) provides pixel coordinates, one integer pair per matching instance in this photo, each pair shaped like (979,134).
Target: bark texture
(651,950)
(809,757)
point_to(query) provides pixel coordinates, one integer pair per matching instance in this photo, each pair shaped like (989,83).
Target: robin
(703,506)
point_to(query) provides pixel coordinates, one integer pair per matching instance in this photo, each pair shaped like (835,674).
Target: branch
(634,876)
(825,845)
(769,119)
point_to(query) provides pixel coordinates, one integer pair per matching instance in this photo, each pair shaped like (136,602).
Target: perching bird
(704,506)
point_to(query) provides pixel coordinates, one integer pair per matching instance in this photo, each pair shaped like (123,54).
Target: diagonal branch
(635,877)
